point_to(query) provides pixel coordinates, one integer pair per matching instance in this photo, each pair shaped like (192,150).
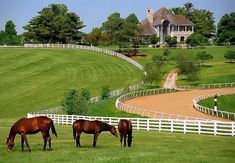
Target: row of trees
(55,24)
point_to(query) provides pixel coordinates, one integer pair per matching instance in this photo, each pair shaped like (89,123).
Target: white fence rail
(216,85)
(218,113)
(169,125)
(147,112)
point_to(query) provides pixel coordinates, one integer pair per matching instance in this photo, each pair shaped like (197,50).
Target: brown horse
(26,126)
(91,127)
(125,129)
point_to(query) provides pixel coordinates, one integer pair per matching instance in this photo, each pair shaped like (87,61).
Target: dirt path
(175,103)
(170,80)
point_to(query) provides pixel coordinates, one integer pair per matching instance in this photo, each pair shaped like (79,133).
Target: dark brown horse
(91,127)
(26,126)
(125,129)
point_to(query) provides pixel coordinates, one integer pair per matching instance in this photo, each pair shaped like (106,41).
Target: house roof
(148,28)
(164,14)
(161,15)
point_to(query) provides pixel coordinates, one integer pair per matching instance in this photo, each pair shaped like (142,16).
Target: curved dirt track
(175,103)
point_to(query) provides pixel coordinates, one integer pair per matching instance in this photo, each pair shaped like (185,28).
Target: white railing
(148,112)
(216,85)
(218,113)
(169,125)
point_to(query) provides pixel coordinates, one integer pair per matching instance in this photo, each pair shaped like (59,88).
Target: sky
(94,12)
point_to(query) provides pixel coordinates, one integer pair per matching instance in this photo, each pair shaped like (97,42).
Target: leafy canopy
(54,24)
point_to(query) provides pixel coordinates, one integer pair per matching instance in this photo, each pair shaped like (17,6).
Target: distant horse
(125,129)
(26,126)
(91,127)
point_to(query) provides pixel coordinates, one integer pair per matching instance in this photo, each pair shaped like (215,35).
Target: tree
(188,9)
(203,56)
(171,41)
(54,24)
(95,36)
(122,32)
(195,39)
(9,35)
(105,92)
(204,22)
(226,29)
(153,73)
(179,11)
(153,39)
(230,55)
(132,18)
(188,66)
(75,102)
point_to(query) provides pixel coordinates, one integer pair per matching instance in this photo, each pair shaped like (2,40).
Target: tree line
(56,24)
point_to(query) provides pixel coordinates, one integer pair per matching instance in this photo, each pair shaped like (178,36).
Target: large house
(165,23)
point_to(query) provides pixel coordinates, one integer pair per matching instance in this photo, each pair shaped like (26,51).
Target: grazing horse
(125,129)
(91,127)
(34,125)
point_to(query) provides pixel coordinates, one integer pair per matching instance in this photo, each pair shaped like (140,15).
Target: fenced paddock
(210,111)
(148,124)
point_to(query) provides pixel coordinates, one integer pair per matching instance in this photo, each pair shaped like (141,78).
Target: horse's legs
(49,141)
(124,140)
(26,142)
(22,143)
(95,139)
(121,137)
(45,140)
(78,140)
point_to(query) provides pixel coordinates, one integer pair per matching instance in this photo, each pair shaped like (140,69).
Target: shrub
(105,92)
(230,55)
(75,102)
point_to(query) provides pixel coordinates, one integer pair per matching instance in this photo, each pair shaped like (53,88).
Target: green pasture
(214,71)
(34,79)
(148,146)
(224,103)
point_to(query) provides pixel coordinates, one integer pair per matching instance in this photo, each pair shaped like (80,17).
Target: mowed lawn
(148,146)
(35,79)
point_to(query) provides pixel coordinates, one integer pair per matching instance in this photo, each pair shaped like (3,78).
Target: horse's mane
(104,125)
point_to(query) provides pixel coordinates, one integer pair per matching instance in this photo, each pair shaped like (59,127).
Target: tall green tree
(226,29)
(188,6)
(132,18)
(188,65)
(120,31)
(204,22)
(54,24)
(179,11)
(9,35)
(95,36)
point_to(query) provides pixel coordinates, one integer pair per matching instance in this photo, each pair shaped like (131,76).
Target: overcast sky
(94,12)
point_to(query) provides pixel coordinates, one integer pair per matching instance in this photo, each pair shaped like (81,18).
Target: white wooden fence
(216,85)
(147,112)
(218,113)
(169,125)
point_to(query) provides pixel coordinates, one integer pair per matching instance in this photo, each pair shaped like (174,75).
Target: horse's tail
(53,129)
(74,132)
(130,135)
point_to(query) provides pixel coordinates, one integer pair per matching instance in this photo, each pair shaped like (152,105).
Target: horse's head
(114,131)
(129,141)
(10,144)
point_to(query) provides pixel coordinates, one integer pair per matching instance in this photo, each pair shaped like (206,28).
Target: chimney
(150,14)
